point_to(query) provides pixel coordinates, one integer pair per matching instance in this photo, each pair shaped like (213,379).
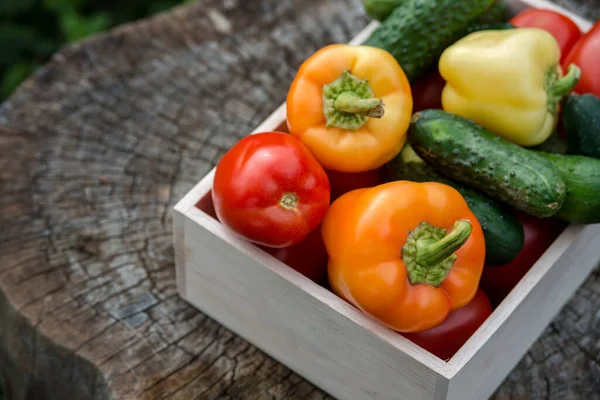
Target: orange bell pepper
(351,105)
(405,253)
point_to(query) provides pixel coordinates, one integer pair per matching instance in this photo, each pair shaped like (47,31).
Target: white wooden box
(334,345)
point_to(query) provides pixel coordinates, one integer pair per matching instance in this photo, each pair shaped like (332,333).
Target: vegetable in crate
(493,26)
(270,190)
(502,231)
(427,91)
(498,281)
(467,152)
(403,252)
(343,182)
(381,9)
(586,55)
(554,144)
(447,338)
(582,176)
(309,257)
(581,121)
(418,31)
(351,105)
(565,31)
(497,12)
(508,81)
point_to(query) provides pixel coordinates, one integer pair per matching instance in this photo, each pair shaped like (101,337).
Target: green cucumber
(467,152)
(498,12)
(381,9)
(582,176)
(486,26)
(502,231)
(581,120)
(554,144)
(418,31)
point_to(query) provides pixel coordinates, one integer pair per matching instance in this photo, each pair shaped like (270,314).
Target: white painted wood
(335,346)
(489,356)
(301,324)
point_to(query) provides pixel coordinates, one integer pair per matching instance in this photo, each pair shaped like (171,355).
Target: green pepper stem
(430,253)
(561,87)
(350,102)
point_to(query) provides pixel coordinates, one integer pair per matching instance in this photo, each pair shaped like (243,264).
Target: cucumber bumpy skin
(502,231)
(498,12)
(418,31)
(381,9)
(467,152)
(582,175)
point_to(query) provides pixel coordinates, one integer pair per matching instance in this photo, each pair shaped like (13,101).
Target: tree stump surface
(98,146)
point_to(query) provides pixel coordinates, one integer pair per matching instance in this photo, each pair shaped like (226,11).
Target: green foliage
(16,74)
(75,26)
(32,30)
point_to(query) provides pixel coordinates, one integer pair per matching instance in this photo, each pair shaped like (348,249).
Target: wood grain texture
(590,9)
(97,147)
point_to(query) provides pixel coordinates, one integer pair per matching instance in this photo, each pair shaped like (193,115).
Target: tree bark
(589,9)
(96,149)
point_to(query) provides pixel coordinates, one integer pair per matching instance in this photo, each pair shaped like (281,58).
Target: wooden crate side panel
(288,321)
(441,390)
(179,249)
(514,298)
(526,312)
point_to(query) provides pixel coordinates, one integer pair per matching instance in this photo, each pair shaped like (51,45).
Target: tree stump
(98,146)
(589,9)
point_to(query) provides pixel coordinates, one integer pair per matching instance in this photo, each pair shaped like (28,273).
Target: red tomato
(270,189)
(427,91)
(343,182)
(447,338)
(565,31)
(586,55)
(309,257)
(498,281)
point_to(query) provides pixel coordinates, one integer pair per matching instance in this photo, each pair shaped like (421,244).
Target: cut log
(95,150)
(589,9)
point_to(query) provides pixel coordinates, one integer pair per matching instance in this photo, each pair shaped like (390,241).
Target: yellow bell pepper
(509,81)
